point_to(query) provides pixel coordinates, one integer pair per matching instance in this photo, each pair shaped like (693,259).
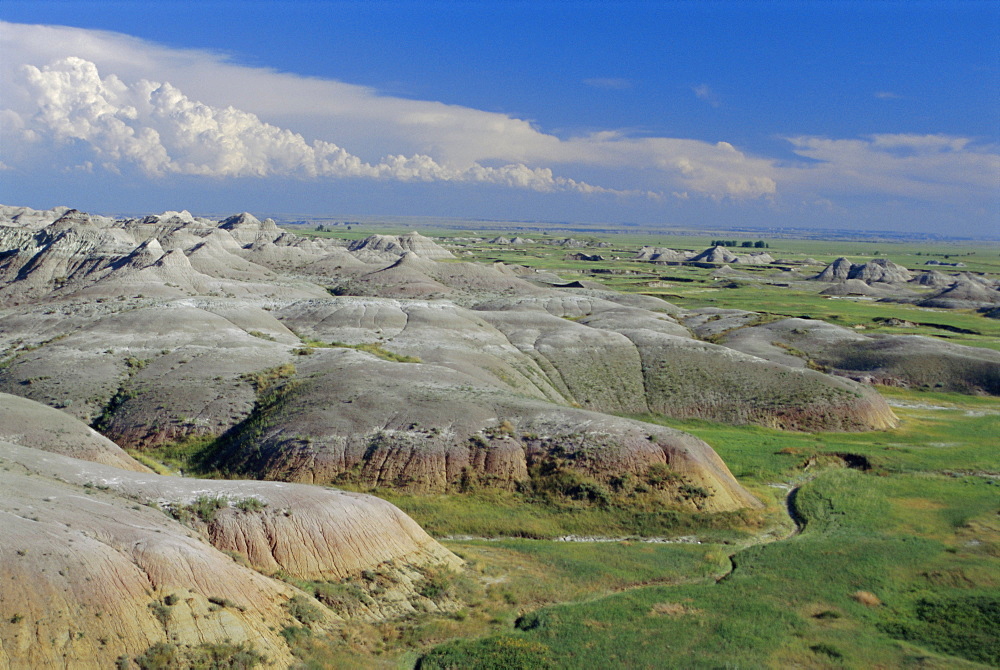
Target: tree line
(759,244)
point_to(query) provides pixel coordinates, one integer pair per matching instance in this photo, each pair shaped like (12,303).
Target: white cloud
(125,104)
(705,92)
(886,95)
(161,131)
(218,118)
(922,167)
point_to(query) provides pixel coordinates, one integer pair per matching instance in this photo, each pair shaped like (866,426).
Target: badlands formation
(379,362)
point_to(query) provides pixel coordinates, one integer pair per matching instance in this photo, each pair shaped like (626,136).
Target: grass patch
(493,513)
(377,350)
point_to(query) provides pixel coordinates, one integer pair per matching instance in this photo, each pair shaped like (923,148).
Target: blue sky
(870,116)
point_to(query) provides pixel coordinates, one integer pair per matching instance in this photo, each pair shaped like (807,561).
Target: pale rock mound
(876,270)
(32,424)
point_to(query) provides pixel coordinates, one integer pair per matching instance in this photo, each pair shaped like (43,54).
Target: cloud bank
(104,101)
(161,131)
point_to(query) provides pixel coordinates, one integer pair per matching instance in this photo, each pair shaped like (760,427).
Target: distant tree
(760,244)
(321,228)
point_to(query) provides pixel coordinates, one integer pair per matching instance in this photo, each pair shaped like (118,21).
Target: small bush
(250,505)
(161,612)
(160,656)
(304,611)
(223,655)
(436,584)
(221,602)
(214,656)
(205,507)
(826,650)
(342,598)
(532,620)
(265,379)
(660,476)
(295,635)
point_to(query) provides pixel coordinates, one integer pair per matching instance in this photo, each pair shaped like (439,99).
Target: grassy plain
(885,555)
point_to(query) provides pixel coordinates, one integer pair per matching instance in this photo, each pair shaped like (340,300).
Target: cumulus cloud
(212,105)
(159,129)
(75,95)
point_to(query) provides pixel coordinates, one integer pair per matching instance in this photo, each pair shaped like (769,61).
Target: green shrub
(436,584)
(304,611)
(502,652)
(342,598)
(207,656)
(205,507)
(378,350)
(295,635)
(160,656)
(160,611)
(250,505)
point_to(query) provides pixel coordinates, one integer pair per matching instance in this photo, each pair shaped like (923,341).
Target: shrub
(503,652)
(659,475)
(344,598)
(265,379)
(224,655)
(532,620)
(295,634)
(161,612)
(250,505)
(205,507)
(436,584)
(160,656)
(303,610)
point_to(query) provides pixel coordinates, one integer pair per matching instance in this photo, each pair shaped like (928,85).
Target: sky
(845,115)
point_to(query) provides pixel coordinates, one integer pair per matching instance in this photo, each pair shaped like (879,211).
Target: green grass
(379,351)
(493,513)
(938,431)
(794,603)
(918,531)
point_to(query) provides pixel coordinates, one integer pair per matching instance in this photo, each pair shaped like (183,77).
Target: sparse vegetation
(211,656)
(303,611)
(378,350)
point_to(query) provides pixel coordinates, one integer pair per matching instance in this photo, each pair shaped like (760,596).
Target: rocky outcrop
(348,415)
(933,278)
(379,247)
(719,255)
(895,360)
(965,293)
(661,254)
(876,270)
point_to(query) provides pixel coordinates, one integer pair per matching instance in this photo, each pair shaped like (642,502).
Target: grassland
(876,549)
